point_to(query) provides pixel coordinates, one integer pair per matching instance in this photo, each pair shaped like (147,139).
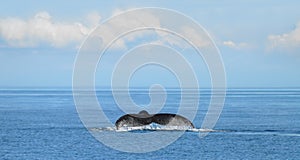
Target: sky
(259,41)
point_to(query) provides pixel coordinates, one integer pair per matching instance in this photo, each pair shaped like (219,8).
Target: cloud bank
(42,29)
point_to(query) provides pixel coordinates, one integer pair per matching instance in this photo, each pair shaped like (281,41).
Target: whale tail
(144,118)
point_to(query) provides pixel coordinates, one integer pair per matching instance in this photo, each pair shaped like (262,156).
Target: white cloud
(172,40)
(288,41)
(193,35)
(93,19)
(149,19)
(229,44)
(41,29)
(235,45)
(115,26)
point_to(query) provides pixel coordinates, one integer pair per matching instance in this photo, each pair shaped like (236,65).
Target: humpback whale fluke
(144,118)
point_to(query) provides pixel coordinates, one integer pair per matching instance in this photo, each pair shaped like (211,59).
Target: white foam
(152,127)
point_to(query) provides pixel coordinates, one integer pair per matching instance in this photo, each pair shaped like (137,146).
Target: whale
(144,118)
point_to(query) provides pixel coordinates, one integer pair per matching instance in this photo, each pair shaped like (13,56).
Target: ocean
(254,124)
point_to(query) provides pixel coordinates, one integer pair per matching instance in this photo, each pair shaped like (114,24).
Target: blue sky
(259,41)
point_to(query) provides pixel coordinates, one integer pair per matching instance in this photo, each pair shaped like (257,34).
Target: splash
(152,127)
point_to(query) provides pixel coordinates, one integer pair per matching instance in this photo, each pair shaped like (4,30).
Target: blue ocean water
(254,124)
